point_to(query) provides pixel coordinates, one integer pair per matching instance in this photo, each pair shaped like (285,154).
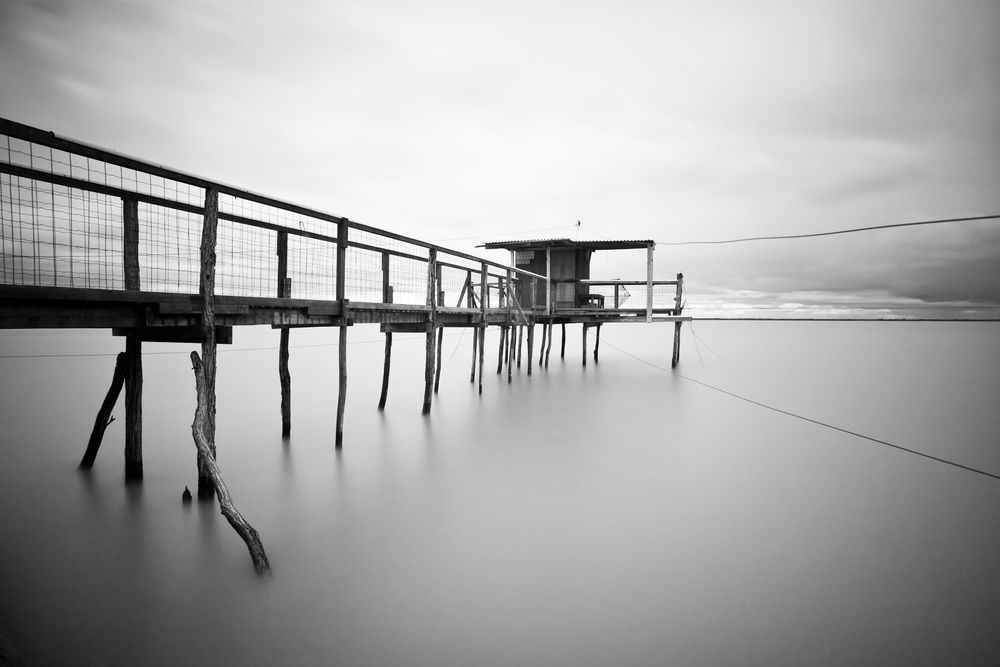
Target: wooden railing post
(431,322)
(284,376)
(342,232)
(483,293)
(649,282)
(133,345)
(678,307)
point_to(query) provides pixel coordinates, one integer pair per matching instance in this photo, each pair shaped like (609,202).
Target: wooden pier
(95,239)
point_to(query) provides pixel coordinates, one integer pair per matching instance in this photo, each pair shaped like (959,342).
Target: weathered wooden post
(483,296)
(502,349)
(531,344)
(678,307)
(471,303)
(440,332)
(206,288)
(431,323)
(584,343)
(520,343)
(133,347)
(597,342)
(104,417)
(562,343)
(284,377)
(649,282)
(342,240)
(386,298)
(548,345)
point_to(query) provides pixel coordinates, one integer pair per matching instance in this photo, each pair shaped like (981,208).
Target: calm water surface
(616,514)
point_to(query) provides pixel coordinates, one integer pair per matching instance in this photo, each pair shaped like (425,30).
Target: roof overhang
(534,244)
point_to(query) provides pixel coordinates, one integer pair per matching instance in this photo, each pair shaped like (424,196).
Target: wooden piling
(386,298)
(284,376)
(676,357)
(548,347)
(483,298)
(475,344)
(104,417)
(437,371)
(597,343)
(541,352)
(500,349)
(343,229)
(206,288)
(429,352)
(512,348)
(562,344)
(584,343)
(520,344)
(133,347)
(228,508)
(531,344)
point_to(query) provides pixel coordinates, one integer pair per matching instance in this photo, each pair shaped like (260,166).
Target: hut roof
(567,243)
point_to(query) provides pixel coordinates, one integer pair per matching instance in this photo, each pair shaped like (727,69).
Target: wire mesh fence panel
(408,278)
(453,285)
(246,261)
(368,238)
(274,215)
(312,268)
(169,249)
(363,275)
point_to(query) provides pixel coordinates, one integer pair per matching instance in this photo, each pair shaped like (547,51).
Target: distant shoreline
(843,319)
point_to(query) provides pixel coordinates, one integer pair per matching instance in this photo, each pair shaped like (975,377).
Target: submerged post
(562,343)
(431,323)
(531,344)
(440,330)
(584,343)
(206,287)
(548,346)
(597,342)
(133,346)
(284,377)
(678,307)
(483,293)
(471,303)
(649,282)
(342,232)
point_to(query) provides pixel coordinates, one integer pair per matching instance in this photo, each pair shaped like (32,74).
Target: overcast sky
(668,120)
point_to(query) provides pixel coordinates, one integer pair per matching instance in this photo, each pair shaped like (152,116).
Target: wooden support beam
(597,343)
(475,332)
(676,356)
(206,289)
(133,345)
(482,355)
(548,346)
(284,376)
(386,298)
(432,304)
(483,298)
(226,505)
(562,344)
(342,240)
(500,349)
(584,343)
(104,417)
(520,343)
(531,344)
(130,243)
(649,282)
(541,354)
(437,370)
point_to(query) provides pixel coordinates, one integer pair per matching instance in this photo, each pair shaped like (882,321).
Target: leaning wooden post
(133,346)
(104,417)
(386,298)
(205,453)
(483,294)
(284,377)
(562,343)
(545,333)
(343,228)
(206,287)
(584,343)
(431,323)
(597,343)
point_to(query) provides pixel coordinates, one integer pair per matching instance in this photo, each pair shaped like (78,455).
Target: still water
(616,514)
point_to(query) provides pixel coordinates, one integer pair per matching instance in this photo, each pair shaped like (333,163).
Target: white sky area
(465,122)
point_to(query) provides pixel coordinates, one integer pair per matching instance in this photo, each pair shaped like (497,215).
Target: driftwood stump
(211,468)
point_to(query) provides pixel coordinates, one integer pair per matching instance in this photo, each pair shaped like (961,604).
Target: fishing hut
(570,295)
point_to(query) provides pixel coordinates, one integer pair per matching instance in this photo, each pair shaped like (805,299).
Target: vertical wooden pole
(284,376)
(500,351)
(584,343)
(678,307)
(616,295)
(386,298)
(471,303)
(597,343)
(512,346)
(483,296)
(649,282)
(342,240)
(520,343)
(133,346)
(531,344)
(548,346)
(562,343)
(206,288)
(548,281)
(431,323)
(541,354)
(437,371)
